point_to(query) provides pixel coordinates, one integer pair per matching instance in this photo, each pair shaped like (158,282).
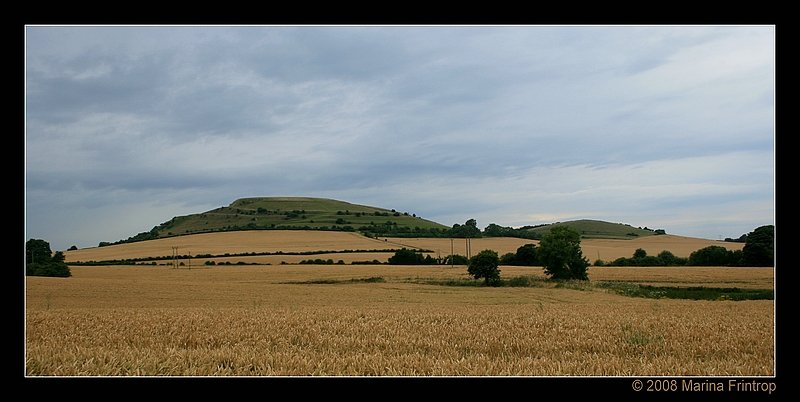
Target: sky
(667,127)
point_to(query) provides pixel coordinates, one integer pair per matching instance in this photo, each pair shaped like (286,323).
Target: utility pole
(452,262)
(174,257)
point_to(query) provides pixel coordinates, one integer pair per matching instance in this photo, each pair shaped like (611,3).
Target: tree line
(758,251)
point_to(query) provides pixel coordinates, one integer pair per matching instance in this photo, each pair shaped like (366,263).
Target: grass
(690,293)
(247,321)
(290,212)
(372,279)
(621,288)
(598,229)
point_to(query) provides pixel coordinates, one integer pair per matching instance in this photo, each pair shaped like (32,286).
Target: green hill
(592,229)
(298,213)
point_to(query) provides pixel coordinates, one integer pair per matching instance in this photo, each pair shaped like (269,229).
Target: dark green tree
(526,255)
(39,262)
(667,258)
(508,259)
(37,251)
(493,230)
(639,253)
(560,253)
(485,265)
(457,259)
(759,248)
(711,256)
(468,230)
(406,257)
(58,257)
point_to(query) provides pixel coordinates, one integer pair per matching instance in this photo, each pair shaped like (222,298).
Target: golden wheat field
(324,320)
(259,241)
(233,242)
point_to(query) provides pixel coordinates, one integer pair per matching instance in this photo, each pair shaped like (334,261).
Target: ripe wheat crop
(263,321)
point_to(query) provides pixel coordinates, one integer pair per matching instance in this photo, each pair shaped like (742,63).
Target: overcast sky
(665,127)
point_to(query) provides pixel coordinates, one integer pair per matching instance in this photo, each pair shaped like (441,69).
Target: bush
(48,269)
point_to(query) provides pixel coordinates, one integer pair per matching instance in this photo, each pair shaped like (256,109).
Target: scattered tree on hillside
(485,265)
(560,253)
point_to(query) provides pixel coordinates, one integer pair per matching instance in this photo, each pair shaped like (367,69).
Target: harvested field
(232,242)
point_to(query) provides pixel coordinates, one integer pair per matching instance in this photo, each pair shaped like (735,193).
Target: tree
(759,248)
(58,257)
(456,259)
(667,258)
(639,253)
(406,257)
(560,253)
(468,230)
(711,256)
(39,262)
(37,251)
(493,230)
(526,255)
(485,265)
(73,248)
(508,259)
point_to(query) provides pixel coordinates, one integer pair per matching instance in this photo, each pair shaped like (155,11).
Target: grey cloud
(388,115)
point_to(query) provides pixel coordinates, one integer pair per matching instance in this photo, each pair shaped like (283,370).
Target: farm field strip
(232,242)
(307,241)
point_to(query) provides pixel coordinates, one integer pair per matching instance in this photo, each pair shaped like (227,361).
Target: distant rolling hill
(593,229)
(306,213)
(293,213)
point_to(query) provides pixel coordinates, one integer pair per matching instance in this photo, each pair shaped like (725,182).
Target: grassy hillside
(592,229)
(266,213)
